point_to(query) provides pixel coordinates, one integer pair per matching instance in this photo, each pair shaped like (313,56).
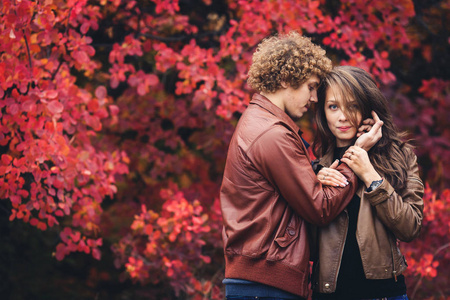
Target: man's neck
(276,98)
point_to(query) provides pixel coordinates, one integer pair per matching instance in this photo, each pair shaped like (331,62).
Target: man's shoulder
(254,126)
(260,119)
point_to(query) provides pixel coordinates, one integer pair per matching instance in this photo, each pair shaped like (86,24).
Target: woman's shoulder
(408,150)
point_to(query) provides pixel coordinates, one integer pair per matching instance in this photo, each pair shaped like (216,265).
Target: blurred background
(115,122)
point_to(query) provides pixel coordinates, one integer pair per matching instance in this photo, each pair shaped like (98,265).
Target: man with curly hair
(269,189)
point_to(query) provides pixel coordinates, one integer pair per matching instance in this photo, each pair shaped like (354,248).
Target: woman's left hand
(365,127)
(358,160)
(369,139)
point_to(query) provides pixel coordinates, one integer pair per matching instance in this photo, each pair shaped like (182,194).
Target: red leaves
(428,256)
(47,121)
(74,241)
(135,267)
(176,235)
(170,7)
(143,82)
(427,117)
(177,90)
(436,90)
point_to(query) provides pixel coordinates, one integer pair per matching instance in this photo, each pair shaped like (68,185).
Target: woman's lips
(344,128)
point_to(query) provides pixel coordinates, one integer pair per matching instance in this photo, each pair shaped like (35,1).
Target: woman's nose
(342,116)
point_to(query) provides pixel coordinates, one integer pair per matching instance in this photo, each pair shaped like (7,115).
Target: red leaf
(142,89)
(6,159)
(13,109)
(100,92)
(55,107)
(84,28)
(81,57)
(34,221)
(114,110)
(29,106)
(96,253)
(152,80)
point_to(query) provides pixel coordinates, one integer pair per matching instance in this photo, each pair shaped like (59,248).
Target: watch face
(375,184)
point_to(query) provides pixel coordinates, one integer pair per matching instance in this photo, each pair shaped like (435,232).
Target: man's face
(297,101)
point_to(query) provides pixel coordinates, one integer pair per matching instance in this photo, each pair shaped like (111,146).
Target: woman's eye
(332,106)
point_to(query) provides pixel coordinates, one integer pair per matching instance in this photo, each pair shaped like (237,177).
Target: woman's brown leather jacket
(385,216)
(268,192)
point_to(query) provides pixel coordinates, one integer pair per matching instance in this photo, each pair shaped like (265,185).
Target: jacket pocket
(290,235)
(280,250)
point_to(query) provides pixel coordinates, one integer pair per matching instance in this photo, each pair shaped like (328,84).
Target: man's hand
(367,140)
(331,176)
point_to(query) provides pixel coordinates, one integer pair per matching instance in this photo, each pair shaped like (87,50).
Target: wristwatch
(374,185)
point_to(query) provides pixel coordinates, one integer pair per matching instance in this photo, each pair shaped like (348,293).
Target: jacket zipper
(342,251)
(394,272)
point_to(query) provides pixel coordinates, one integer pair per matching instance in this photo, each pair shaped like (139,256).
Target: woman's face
(336,112)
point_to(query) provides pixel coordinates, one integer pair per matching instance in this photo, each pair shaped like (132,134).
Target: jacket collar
(266,104)
(327,159)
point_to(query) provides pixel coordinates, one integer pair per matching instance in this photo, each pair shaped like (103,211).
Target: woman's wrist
(371,177)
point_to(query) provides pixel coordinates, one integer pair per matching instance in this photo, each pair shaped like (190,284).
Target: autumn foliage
(116,117)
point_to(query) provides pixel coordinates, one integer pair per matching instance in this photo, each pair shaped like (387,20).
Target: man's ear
(284,85)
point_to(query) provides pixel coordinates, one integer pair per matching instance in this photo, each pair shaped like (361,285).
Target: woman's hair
(290,58)
(354,84)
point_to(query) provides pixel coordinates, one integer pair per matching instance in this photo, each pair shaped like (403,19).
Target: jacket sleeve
(281,158)
(401,212)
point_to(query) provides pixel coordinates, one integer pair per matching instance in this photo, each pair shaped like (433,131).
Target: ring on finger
(350,157)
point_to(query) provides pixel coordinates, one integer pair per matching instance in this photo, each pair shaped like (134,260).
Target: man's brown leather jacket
(268,192)
(385,215)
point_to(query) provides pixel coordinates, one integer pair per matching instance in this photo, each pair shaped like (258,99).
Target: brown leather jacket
(385,215)
(268,192)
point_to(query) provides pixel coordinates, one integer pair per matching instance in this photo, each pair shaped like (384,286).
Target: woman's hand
(331,176)
(358,160)
(369,139)
(365,127)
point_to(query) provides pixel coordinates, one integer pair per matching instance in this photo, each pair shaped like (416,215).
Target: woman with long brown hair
(358,255)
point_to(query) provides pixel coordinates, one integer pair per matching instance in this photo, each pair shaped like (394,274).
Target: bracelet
(374,185)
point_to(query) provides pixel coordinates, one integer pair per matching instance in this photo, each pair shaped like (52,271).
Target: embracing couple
(344,211)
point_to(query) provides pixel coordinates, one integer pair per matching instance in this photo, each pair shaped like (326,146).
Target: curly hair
(289,58)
